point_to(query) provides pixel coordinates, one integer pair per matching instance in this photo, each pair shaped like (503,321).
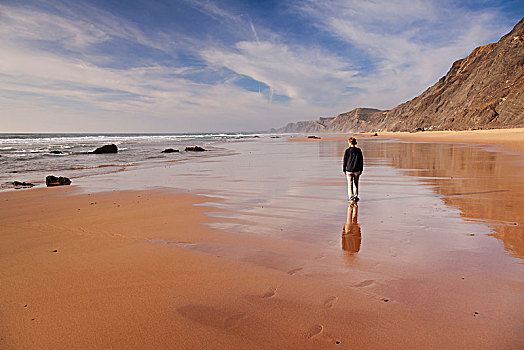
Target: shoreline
(36,156)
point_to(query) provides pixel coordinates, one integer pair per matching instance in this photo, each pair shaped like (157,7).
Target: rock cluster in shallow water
(195,149)
(57,181)
(105,149)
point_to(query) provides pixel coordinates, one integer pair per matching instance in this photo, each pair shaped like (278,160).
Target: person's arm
(346,154)
(360,161)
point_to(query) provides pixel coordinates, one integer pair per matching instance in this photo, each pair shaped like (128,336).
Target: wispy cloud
(253,29)
(82,60)
(411,43)
(211,9)
(303,75)
(30,69)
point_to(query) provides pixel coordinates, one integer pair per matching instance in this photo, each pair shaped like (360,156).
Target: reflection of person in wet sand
(352,167)
(351,234)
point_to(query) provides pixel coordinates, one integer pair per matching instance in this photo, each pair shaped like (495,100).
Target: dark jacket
(353,160)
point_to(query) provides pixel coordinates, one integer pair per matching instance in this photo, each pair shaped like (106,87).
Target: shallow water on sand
(31,157)
(424,207)
(438,228)
(433,236)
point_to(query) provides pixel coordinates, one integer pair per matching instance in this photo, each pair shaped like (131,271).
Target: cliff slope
(482,91)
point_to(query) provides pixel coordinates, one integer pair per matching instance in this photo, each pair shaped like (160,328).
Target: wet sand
(431,258)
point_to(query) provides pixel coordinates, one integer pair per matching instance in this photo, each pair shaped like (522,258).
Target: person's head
(352,141)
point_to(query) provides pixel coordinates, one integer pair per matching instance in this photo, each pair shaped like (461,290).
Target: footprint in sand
(364,283)
(382,299)
(270,293)
(294,271)
(233,320)
(329,302)
(314,331)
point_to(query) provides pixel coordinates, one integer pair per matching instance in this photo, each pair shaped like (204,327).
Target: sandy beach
(507,139)
(248,250)
(161,186)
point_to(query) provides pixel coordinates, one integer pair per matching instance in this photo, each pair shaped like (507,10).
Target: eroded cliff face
(482,91)
(357,119)
(303,126)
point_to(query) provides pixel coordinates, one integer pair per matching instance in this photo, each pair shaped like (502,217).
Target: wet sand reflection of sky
(433,196)
(434,231)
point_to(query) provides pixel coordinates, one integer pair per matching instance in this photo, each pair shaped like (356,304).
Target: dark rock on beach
(105,149)
(313,137)
(57,181)
(17,185)
(55,152)
(22,184)
(195,149)
(170,150)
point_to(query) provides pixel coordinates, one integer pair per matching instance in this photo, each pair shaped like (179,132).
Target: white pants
(353,181)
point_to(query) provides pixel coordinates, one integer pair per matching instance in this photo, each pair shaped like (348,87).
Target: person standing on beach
(352,167)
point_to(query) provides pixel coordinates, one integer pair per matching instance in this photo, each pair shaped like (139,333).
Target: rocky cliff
(482,91)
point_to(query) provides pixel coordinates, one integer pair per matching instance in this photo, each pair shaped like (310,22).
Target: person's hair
(352,141)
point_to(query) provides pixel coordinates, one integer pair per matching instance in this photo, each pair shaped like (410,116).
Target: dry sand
(117,270)
(508,139)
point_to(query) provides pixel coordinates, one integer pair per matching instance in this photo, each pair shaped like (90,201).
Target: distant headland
(482,91)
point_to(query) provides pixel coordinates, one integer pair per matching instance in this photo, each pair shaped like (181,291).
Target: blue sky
(191,65)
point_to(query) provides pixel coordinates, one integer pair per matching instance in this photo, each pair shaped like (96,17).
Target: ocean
(31,157)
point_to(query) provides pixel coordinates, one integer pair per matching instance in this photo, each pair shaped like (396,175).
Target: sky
(216,66)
